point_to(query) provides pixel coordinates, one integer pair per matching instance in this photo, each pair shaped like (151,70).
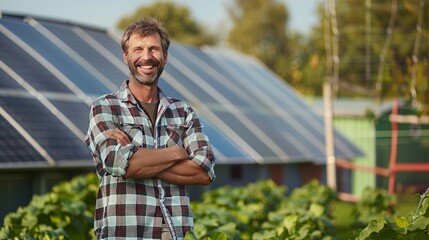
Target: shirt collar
(125,95)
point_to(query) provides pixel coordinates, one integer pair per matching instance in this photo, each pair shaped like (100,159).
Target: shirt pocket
(134,131)
(175,134)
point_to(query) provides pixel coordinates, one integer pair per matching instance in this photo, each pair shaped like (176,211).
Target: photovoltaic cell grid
(28,68)
(14,147)
(43,126)
(241,104)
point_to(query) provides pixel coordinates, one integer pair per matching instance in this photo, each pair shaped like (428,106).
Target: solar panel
(110,73)
(247,134)
(264,89)
(294,111)
(184,80)
(14,149)
(169,90)
(77,112)
(45,128)
(28,68)
(196,66)
(108,42)
(7,82)
(58,58)
(222,77)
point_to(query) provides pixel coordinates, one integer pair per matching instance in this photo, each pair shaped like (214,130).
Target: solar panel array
(52,71)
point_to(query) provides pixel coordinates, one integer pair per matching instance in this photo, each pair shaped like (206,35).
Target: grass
(344,219)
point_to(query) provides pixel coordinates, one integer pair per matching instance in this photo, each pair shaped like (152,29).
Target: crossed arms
(170,164)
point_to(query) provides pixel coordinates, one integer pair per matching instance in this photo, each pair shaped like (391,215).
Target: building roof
(353,107)
(51,71)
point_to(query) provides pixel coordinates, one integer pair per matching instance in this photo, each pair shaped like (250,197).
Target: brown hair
(146,26)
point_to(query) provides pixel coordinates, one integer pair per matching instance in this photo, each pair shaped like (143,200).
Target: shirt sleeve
(109,156)
(197,144)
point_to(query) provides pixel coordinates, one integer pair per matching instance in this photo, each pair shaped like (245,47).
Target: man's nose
(146,54)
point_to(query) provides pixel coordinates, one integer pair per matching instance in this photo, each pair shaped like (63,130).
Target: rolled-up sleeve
(197,144)
(109,156)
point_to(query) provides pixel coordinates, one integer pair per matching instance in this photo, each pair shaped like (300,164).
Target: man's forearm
(185,172)
(148,162)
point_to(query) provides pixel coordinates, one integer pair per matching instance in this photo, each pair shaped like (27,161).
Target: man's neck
(144,93)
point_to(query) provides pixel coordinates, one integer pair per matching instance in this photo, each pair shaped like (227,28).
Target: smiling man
(146,147)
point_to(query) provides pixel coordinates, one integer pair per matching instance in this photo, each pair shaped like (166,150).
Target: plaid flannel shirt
(136,208)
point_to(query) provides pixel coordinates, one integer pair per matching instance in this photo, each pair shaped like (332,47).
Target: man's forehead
(152,37)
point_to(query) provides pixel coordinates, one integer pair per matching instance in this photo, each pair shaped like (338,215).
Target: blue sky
(105,13)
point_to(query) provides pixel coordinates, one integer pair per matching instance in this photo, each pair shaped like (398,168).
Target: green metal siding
(361,132)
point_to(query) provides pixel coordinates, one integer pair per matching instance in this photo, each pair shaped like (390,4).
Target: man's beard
(149,81)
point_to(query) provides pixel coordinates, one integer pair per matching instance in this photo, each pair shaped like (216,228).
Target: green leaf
(421,223)
(29,221)
(217,236)
(374,226)
(290,223)
(304,232)
(401,222)
(316,210)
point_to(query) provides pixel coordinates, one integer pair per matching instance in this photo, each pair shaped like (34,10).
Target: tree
(176,19)
(259,29)
(363,34)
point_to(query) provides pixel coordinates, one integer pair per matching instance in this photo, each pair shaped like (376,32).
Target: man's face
(145,58)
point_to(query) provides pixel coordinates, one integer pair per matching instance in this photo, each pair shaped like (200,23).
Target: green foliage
(176,19)
(237,212)
(363,34)
(372,204)
(414,227)
(263,211)
(305,214)
(260,211)
(64,213)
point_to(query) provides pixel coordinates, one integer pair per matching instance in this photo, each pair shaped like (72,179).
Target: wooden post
(329,136)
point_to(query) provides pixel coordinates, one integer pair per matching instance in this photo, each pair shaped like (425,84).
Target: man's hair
(146,26)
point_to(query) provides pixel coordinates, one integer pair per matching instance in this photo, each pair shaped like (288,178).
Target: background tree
(259,29)
(363,32)
(177,20)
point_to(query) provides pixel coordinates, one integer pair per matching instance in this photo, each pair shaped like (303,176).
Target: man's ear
(166,57)
(124,58)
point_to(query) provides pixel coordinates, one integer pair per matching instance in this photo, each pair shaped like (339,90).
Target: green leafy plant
(413,227)
(262,210)
(64,213)
(373,203)
(306,214)
(237,212)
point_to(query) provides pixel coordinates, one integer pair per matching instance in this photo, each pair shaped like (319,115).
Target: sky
(106,13)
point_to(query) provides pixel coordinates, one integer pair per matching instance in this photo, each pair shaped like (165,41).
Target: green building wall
(361,132)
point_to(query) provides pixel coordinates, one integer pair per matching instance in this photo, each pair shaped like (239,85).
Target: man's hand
(119,136)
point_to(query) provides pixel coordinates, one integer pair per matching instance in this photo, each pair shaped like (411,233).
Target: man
(146,147)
